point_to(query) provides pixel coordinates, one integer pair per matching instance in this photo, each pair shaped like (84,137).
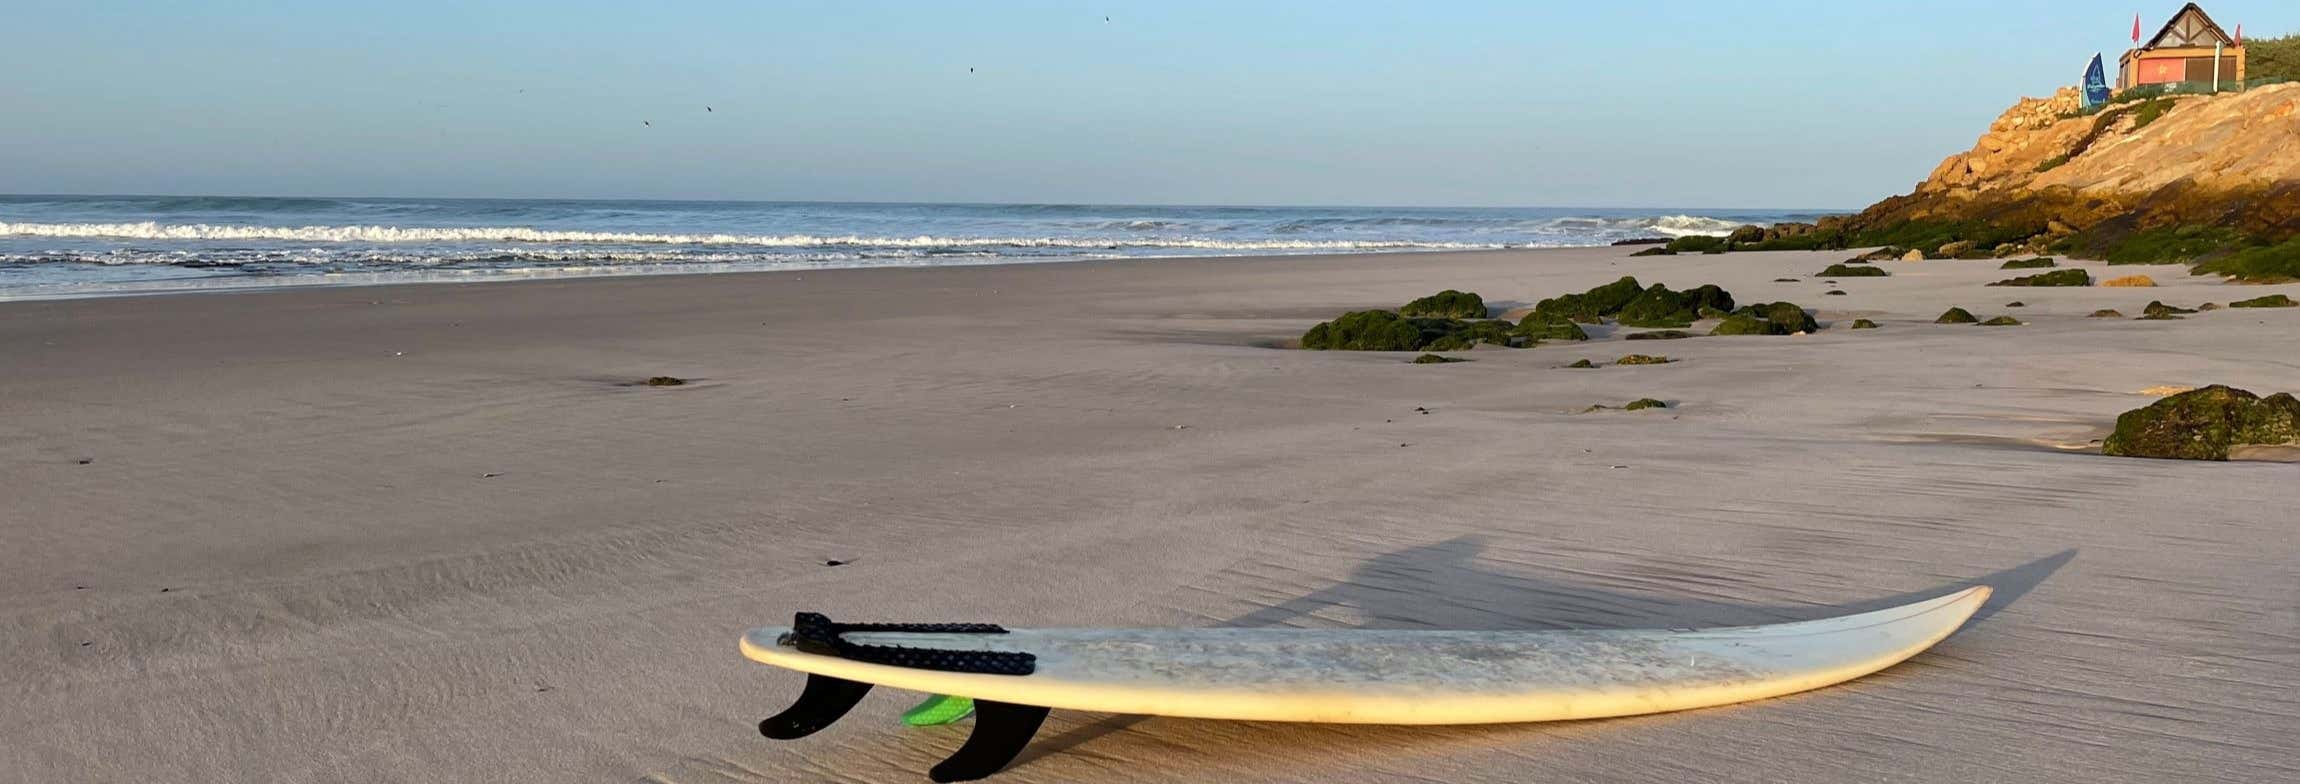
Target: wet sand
(434,533)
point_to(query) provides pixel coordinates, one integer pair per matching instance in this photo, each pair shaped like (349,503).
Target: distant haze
(1683,104)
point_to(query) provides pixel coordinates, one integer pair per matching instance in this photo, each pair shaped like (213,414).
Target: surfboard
(1329,675)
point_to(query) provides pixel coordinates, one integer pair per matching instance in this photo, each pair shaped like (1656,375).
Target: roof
(2190,27)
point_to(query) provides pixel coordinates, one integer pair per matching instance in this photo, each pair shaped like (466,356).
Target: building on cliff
(2190,49)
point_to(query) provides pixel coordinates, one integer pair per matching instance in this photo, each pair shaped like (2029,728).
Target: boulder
(1956,316)
(2131,282)
(1851,271)
(2061,277)
(1539,326)
(1446,304)
(1435,359)
(1864,324)
(2002,321)
(2270,301)
(2106,313)
(1913,255)
(1958,249)
(1642,359)
(2202,424)
(2035,263)
(1644,403)
(1592,306)
(1660,334)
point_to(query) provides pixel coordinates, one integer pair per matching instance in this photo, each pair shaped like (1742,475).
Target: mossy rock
(1850,271)
(1436,359)
(1740,324)
(1658,306)
(2202,424)
(1787,280)
(2208,307)
(1864,324)
(1956,316)
(2158,308)
(1582,363)
(1592,306)
(1364,330)
(1381,330)
(1643,403)
(2061,277)
(2002,321)
(2159,317)
(2107,313)
(1539,326)
(2270,301)
(2016,304)
(1642,359)
(1446,304)
(666,381)
(1659,334)
(1655,251)
(1833,293)
(2035,263)
(1770,318)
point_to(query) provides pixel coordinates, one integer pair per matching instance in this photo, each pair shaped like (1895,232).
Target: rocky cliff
(2221,172)
(2210,180)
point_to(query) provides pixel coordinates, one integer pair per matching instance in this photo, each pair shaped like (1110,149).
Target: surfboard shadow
(1443,586)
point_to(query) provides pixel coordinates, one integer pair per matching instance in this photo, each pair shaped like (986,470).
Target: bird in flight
(646,123)
(706,108)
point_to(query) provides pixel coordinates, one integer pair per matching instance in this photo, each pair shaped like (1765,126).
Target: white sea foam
(148,230)
(1689,225)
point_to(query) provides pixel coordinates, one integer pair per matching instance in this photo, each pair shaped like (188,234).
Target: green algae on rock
(2270,301)
(1446,304)
(2061,277)
(1435,359)
(2202,424)
(1956,316)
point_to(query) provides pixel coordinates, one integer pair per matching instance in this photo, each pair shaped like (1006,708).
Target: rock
(1641,241)
(1381,330)
(1746,234)
(1446,304)
(1834,293)
(1364,330)
(2159,317)
(2002,321)
(1539,326)
(1644,403)
(1592,306)
(1642,359)
(1787,280)
(1883,254)
(2270,301)
(2131,282)
(1655,251)
(2158,308)
(1434,359)
(2035,263)
(1783,318)
(2208,306)
(1958,249)
(2016,304)
(1914,255)
(1956,316)
(2203,424)
(1658,306)
(1582,363)
(1663,334)
(666,381)
(1864,324)
(2063,277)
(1849,271)
(2106,313)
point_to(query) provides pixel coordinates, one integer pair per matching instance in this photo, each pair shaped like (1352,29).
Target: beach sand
(434,533)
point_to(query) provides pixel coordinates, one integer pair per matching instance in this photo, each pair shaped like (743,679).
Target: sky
(1507,103)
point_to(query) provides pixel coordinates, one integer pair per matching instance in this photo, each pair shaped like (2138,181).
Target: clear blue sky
(1689,104)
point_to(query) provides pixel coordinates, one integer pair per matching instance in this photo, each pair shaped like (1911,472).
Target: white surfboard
(1388,677)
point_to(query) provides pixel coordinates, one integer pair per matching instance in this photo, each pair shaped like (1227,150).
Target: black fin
(824,700)
(1000,731)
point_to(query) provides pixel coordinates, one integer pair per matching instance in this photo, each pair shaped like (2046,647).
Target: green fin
(938,709)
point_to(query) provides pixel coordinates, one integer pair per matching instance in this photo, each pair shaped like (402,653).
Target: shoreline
(426,532)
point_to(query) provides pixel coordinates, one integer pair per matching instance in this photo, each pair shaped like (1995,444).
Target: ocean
(77,246)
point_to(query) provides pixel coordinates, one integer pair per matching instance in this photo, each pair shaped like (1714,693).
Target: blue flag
(2095,84)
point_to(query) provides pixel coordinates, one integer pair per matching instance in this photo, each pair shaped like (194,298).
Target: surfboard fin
(820,704)
(1000,731)
(938,709)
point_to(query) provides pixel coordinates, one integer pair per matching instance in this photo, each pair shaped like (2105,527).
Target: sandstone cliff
(2045,176)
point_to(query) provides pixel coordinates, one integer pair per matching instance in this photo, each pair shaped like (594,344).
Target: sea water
(73,246)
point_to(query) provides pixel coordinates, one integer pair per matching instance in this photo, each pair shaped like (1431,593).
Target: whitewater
(64,246)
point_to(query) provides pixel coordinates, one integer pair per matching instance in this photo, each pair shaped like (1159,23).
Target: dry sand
(429,533)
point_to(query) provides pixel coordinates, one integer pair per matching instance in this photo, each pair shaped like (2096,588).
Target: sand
(433,533)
